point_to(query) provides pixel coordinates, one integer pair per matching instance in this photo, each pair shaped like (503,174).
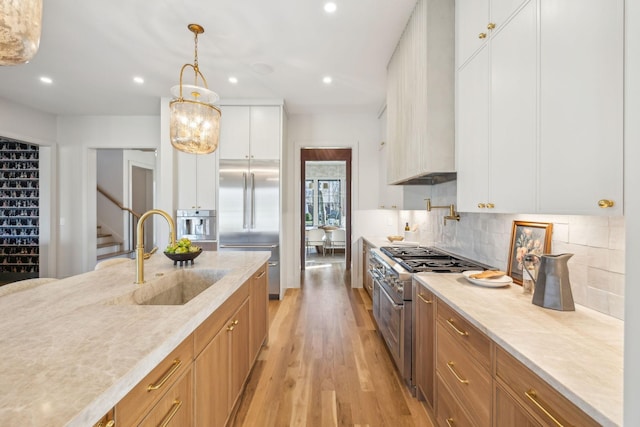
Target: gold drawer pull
(172,370)
(481,205)
(453,371)
(261,274)
(490,206)
(172,413)
(491,26)
(450,422)
(427,301)
(604,203)
(232,326)
(482,36)
(459,332)
(531,395)
(109,423)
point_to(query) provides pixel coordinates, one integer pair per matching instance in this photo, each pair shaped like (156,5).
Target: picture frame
(527,238)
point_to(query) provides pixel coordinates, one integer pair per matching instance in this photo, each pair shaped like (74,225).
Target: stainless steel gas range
(391,268)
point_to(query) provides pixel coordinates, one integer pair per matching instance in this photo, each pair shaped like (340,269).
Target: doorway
(325,190)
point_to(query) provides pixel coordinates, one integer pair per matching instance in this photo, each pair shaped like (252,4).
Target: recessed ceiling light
(327,80)
(330,7)
(139,80)
(46,80)
(233,80)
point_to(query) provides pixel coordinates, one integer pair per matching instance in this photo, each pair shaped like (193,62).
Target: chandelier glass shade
(194,122)
(20,27)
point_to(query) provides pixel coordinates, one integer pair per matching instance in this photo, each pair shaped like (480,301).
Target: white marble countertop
(68,357)
(579,353)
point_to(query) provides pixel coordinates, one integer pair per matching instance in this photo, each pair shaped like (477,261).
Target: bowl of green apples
(182,252)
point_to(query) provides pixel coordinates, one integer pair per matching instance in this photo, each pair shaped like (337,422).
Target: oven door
(391,322)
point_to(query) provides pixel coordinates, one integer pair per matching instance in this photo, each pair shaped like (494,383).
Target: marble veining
(579,353)
(70,352)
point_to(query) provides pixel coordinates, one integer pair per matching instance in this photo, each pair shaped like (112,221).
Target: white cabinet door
(235,128)
(472,17)
(197,181)
(265,133)
(250,132)
(472,133)
(581,98)
(513,162)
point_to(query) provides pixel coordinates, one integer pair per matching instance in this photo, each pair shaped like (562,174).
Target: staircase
(108,247)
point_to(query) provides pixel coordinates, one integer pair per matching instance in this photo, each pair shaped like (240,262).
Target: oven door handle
(395,306)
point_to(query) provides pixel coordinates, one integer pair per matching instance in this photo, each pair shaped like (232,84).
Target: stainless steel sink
(175,288)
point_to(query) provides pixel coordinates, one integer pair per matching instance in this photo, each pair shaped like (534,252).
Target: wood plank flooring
(325,364)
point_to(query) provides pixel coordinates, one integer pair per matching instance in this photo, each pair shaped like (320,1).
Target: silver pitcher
(552,288)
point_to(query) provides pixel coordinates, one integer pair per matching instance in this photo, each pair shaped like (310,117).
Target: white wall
(632,214)
(78,138)
(359,132)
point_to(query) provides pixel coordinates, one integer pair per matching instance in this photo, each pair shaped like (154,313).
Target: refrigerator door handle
(253,200)
(244,200)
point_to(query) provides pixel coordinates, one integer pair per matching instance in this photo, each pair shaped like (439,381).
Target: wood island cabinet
(258,310)
(222,359)
(144,397)
(200,382)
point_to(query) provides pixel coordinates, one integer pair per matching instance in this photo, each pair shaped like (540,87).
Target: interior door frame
(325,154)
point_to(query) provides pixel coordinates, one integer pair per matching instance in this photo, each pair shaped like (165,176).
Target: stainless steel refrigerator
(249,211)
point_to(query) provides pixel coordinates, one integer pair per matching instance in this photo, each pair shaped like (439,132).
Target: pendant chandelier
(20,26)
(194,122)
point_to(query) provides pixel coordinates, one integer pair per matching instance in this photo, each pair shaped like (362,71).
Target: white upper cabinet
(539,109)
(581,104)
(496,122)
(235,132)
(197,180)
(250,132)
(476,20)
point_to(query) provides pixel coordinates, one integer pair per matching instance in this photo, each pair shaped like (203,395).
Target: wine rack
(19,210)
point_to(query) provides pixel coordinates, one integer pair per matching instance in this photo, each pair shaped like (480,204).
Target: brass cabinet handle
(490,205)
(109,423)
(491,26)
(394,207)
(427,301)
(172,413)
(450,422)
(172,370)
(232,325)
(532,396)
(604,203)
(458,331)
(482,205)
(455,374)
(482,35)
(261,274)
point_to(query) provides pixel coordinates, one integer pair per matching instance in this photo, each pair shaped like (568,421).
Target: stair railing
(133,216)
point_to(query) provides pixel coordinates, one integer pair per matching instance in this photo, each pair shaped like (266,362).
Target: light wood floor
(325,364)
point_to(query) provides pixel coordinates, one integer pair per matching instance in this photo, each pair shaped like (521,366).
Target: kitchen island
(578,353)
(73,348)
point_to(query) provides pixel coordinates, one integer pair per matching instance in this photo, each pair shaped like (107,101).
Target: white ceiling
(93,49)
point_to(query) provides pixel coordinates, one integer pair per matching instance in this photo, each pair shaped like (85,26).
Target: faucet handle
(147,255)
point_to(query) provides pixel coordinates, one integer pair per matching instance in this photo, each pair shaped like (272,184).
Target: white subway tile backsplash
(597,243)
(560,232)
